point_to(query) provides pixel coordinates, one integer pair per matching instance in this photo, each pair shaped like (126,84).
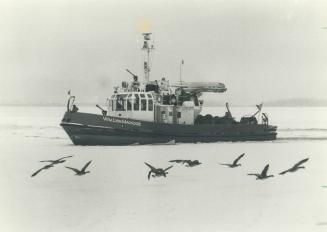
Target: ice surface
(117,196)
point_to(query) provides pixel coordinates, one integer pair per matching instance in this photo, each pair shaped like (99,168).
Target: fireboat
(158,111)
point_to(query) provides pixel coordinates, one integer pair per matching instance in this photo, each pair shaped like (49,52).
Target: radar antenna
(147,48)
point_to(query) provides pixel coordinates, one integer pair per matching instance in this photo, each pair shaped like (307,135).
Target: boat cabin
(151,107)
(134,105)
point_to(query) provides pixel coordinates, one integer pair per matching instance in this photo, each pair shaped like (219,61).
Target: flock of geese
(157,172)
(78,172)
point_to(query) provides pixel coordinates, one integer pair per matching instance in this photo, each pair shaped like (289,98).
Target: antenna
(180,71)
(147,48)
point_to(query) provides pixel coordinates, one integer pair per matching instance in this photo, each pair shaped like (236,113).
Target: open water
(117,196)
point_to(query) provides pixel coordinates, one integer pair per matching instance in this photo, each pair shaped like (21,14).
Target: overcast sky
(262,50)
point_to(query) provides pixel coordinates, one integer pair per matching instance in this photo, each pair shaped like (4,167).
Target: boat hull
(93,129)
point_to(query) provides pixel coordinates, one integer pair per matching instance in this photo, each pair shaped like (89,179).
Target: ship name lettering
(123,121)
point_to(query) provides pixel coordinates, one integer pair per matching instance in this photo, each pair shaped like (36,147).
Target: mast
(180,71)
(147,48)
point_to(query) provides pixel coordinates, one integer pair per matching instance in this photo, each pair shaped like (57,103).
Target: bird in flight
(263,174)
(57,161)
(235,164)
(82,171)
(157,171)
(52,163)
(188,163)
(43,168)
(296,167)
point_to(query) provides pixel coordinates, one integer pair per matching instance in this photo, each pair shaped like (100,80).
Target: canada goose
(295,167)
(58,161)
(157,171)
(43,168)
(82,171)
(189,163)
(263,174)
(235,164)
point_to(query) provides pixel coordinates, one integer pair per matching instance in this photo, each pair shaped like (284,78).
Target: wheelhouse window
(150,105)
(136,102)
(111,103)
(120,102)
(129,102)
(143,104)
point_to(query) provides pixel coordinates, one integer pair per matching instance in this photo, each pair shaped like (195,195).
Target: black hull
(92,129)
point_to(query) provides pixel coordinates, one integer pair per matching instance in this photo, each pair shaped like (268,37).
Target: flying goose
(235,164)
(189,163)
(82,171)
(263,174)
(53,162)
(157,171)
(295,167)
(57,161)
(43,168)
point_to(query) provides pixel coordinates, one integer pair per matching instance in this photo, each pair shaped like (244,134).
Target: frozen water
(116,195)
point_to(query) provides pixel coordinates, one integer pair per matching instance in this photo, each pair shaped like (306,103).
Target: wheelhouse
(136,105)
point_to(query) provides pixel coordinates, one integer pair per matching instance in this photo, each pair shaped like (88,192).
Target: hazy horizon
(208,102)
(261,50)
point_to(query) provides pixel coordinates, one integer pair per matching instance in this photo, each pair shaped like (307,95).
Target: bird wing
(224,164)
(64,157)
(168,168)
(47,161)
(238,158)
(74,169)
(37,172)
(86,165)
(282,173)
(265,170)
(301,162)
(176,161)
(56,159)
(187,161)
(152,168)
